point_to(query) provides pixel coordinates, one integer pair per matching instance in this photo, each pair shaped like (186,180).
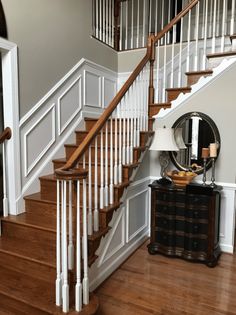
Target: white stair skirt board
(203,82)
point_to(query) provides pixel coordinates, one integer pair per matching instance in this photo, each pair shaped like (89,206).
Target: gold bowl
(181,178)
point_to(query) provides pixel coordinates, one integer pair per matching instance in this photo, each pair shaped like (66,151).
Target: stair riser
(28,267)
(71,149)
(193,78)
(10,306)
(90,123)
(172,95)
(26,233)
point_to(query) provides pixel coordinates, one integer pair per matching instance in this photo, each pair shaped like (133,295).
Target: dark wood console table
(185,222)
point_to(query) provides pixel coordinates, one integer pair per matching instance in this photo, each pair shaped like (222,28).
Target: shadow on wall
(3,25)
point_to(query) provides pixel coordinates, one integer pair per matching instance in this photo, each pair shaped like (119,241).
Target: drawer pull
(195,244)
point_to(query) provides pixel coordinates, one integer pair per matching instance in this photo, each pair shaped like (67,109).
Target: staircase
(58,235)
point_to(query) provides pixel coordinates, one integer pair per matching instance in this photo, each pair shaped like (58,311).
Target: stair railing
(127,24)
(5,135)
(93,178)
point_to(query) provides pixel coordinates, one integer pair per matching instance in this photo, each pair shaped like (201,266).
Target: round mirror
(193,131)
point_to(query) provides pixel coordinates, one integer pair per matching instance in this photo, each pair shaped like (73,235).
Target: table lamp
(164,141)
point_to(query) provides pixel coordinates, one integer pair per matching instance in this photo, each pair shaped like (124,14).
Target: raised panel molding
(109,91)
(30,165)
(76,88)
(92,89)
(142,196)
(116,238)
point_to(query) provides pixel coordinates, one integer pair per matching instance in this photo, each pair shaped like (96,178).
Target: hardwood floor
(147,284)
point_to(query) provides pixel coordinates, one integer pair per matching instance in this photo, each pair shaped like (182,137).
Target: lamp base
(164,181)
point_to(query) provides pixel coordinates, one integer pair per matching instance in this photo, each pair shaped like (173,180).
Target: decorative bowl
(181,178)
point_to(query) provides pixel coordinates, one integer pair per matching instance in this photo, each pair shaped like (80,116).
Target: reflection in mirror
(193,131)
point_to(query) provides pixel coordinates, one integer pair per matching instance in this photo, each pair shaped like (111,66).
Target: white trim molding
(11,119)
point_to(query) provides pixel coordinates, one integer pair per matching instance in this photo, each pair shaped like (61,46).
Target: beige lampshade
(179,138)
(164,140)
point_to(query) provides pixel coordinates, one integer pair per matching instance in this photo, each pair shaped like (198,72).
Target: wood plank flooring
(147,284)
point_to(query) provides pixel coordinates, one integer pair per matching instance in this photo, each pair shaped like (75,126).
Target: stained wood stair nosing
(181,89)
(222,54)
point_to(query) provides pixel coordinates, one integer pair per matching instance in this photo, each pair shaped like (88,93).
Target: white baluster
(85,247)
(132,124)
(196,37)
(121,26)
(156,17)
(111,187)
(164,73)
(223,27)
(218,19)
(96,213)
(144,22)
(158,88)
(71,245)
(78,287)
(120,149)
(101,172)
(162,17)
(132,25)
(126,24)
(90,214)
(5,197)
(97,30)
(65,286)
(116,175)
(168,34)
(188,40)
(135,114)
(100,21)
(213,45)
(150,17)
(104,22)
(58,280)
(106,190)
(180,53)
(232,21)
(204,62)
(137,39)
(112,24)
(124,135)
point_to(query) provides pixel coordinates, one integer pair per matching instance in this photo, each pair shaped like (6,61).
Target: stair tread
(222,54)
(63,160)
(184,88)
(34,292)
(29,250)
(207,71)
(46,223)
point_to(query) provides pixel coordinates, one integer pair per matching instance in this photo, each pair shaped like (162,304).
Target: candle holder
(204,172)
(213,173)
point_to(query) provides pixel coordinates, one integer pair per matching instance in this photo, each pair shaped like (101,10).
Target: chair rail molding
(11,119)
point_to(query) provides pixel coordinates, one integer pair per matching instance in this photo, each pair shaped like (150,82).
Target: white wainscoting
(130,228)
(44,130)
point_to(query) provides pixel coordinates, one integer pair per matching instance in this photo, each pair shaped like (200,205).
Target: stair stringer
(111,253)
(203,82)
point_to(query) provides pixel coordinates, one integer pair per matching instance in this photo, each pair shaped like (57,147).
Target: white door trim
(11,119)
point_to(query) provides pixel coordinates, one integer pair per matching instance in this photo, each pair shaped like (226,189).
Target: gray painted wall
(52,37)
(217,100)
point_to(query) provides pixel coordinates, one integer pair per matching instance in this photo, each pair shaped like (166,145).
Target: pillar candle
(205,153)
(213,150)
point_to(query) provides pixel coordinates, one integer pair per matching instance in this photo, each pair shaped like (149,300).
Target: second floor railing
(127,24)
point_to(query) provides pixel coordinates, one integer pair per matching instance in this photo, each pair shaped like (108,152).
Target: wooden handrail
(152,39)
(5,135)
(109,110)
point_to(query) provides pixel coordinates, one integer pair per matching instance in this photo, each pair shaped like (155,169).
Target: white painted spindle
(96,213)
(90,215)
(232,21)
(106,189)
(5,196)
(71,245)
(101,172)
(85,247)
(111,187)
(78,287)
(58,280)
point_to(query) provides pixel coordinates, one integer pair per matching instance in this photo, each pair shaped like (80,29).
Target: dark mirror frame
(215,132)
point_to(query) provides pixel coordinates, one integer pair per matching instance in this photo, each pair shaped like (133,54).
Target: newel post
(151,90)
(71,203)
(117,25)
